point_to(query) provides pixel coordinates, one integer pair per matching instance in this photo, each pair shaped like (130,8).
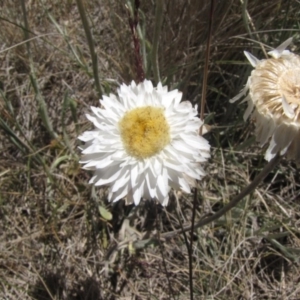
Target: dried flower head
(273,96)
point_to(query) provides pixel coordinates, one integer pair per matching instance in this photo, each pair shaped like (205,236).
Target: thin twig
(191,244)
(247,20)
(158,24)
(206,64)
(162,254)
(188,246)
(203,100)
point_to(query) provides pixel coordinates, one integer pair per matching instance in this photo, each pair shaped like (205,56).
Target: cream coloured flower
(273,96)
(145,142)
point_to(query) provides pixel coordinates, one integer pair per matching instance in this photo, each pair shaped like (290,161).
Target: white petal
(162,183)
(112,102)
(137,192)
(271,151)
(165,201)
(246,99)
(134,175)
(248,110)
(119,184)
(252,59)
(288,109)
(109,176)
(119,194)
(100,163)
(184,106)
(264,129)
(192,173)
(195,141)
(150,184)
(172,97)
(182,146)
(184,185)
(175,167)
(172,154)
(148,86)
(280,50)
(286,134)
(242,93)
(87,136)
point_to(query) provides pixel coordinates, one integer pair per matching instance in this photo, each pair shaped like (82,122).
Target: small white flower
(145,142)
(273,96)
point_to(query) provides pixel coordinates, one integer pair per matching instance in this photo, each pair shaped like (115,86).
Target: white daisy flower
(145,142)
(273,96)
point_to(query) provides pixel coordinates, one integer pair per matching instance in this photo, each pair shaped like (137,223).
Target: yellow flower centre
(144,131)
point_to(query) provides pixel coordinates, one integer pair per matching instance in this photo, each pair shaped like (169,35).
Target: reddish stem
(133,23)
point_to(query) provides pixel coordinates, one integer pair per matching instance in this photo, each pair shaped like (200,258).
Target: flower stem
(246,191)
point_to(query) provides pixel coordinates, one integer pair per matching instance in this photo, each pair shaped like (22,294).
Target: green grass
(56,237)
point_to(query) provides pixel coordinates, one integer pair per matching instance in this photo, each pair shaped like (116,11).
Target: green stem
(91,46)
(41,103)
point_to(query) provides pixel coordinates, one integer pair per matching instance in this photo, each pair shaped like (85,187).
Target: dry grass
(54,243)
